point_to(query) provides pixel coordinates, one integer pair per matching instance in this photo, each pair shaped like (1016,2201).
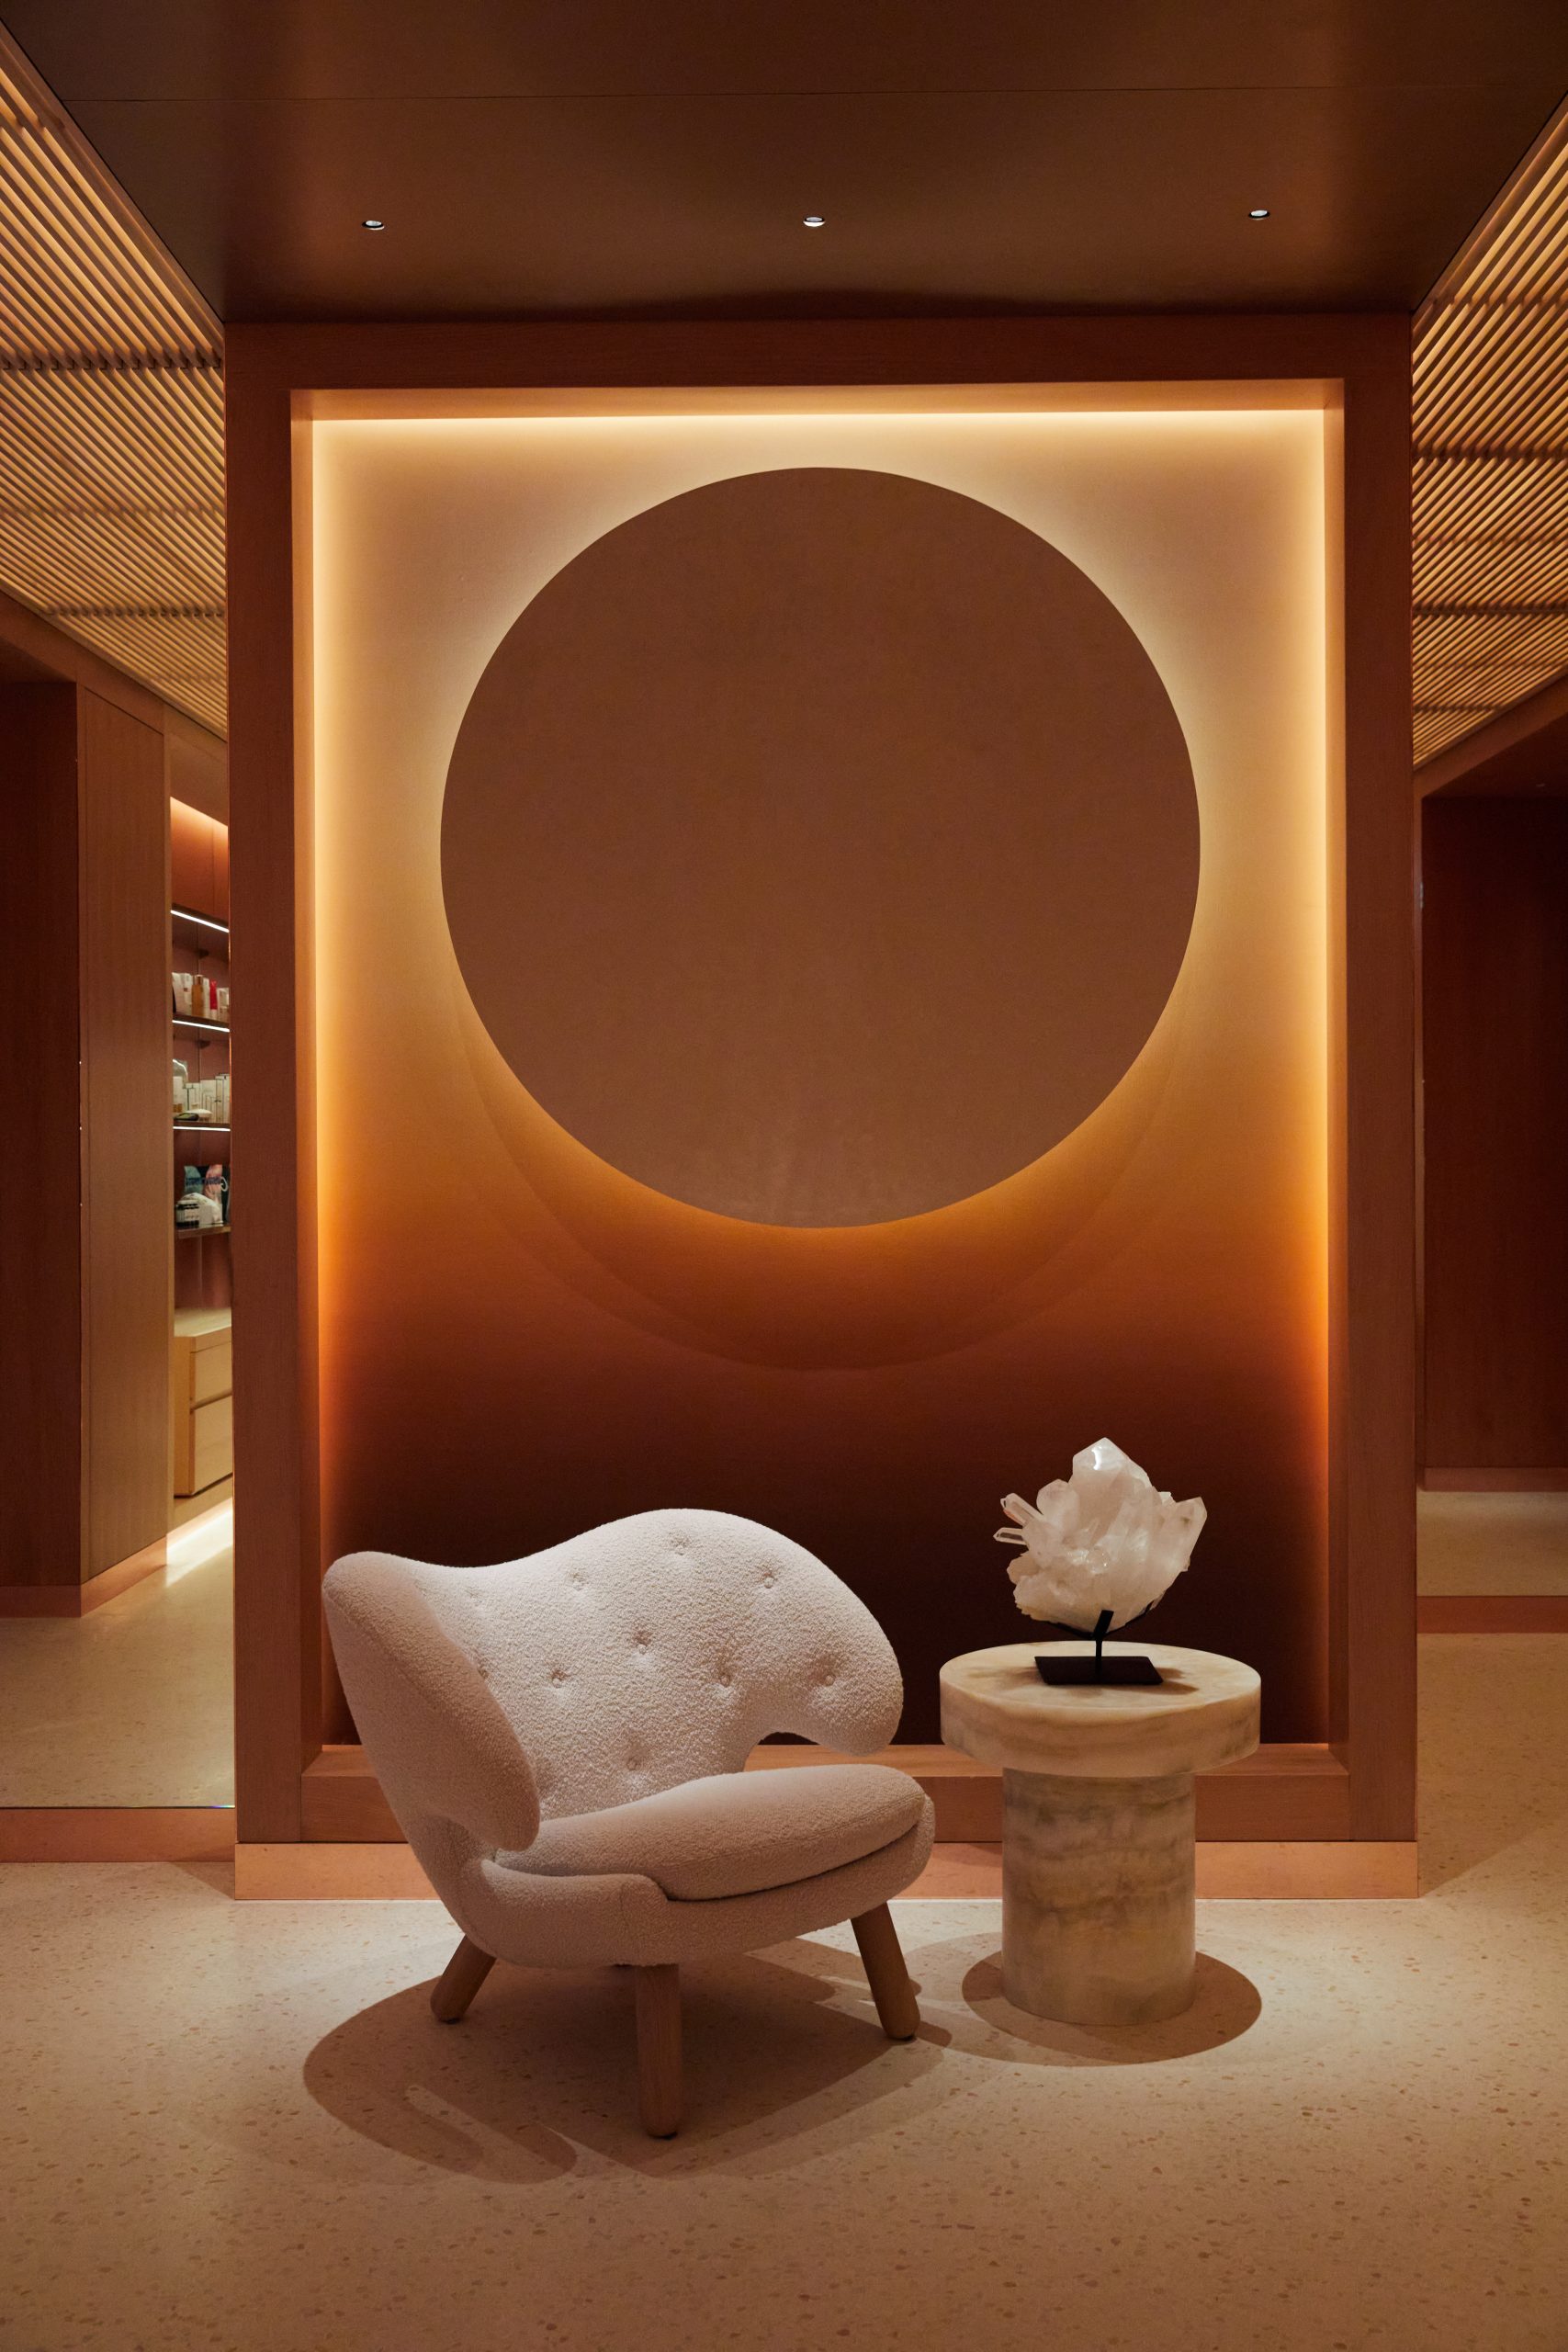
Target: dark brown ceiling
(619,157)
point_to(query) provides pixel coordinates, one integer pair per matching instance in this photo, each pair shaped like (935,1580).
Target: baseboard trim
(81,1600)
(1332,1870)
(115,1832)
(1323,1870)
(382,1873)
(1492,1613)
(1495,1482)
(1291,1791)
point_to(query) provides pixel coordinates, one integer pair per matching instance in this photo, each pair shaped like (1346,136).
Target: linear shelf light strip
(111,413)
(1491,476)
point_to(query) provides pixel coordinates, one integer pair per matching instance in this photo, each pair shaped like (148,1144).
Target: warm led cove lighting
(815,220)
(372,224)
(1259,212)
(200,1541)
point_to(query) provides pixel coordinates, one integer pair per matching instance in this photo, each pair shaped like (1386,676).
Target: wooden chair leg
(659,2048)
(886,1974)
(465,1972)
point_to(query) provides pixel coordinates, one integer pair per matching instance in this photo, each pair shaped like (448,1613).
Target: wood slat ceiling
(111,414)
(111,495)
(1491,427)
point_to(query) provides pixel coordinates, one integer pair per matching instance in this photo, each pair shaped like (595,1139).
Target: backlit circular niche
(819,848)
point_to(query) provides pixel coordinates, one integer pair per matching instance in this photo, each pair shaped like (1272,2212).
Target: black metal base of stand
(1109,1670)
(1099,1669)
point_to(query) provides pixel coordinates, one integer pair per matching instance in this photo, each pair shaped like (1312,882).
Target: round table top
(1201,1713)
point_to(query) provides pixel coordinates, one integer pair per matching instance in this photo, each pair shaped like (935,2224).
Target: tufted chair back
(648,1652)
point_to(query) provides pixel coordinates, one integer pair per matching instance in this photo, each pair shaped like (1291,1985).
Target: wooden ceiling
(1492,460)
(586,156)
(111,415)
(598,157)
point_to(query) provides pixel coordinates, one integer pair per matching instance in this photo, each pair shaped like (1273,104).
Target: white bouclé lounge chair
(561,1739)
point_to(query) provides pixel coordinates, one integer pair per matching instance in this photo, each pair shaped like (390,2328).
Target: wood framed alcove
(1355,1788)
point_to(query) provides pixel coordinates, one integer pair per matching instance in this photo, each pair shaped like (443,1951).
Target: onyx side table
(1098,1837)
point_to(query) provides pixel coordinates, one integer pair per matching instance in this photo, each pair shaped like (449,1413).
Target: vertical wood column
(41,1270)
(1495,1054)
(127,1164)
(1372,1350)
(277,1564)
(84,1177)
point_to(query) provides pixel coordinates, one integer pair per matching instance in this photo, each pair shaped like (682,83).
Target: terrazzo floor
(238,2125)
(1492,1544)
(134,1704)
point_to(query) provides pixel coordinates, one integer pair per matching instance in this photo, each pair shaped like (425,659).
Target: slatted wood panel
(111,414)
(1491,420)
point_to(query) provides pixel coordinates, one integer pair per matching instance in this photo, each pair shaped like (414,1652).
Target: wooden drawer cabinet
(212,1369)
(211,1443)
(201,1403)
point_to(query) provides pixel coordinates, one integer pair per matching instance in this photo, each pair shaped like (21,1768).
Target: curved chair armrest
(439,1741)
(850,1694)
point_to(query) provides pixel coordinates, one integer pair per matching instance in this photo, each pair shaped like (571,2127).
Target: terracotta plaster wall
(518,1341)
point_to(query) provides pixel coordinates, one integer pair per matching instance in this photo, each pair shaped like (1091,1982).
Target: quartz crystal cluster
(1105,1539)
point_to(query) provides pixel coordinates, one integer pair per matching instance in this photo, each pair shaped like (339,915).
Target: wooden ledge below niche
(1287,1792)
(121,1833)
(1492,1613)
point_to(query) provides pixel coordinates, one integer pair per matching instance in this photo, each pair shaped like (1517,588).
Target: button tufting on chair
(560,1863)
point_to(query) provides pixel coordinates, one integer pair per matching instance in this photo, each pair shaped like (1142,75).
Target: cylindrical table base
(1097,1897)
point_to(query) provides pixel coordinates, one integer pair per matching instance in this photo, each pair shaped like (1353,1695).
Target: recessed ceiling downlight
(372,224)
(815,220)
(1259,212)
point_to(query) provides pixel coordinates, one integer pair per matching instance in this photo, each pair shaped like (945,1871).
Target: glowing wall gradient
(518,1341)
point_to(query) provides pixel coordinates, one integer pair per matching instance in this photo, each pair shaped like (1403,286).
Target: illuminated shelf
(200,1232)
(197,1127)
(207,1028)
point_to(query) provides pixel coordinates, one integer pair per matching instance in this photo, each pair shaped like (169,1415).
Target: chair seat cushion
(734,1833)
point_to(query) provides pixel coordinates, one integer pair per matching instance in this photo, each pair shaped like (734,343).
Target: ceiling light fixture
(815,220)
(1259,212)
(372,224)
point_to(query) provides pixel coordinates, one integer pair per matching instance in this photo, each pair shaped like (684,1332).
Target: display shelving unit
(201,1378)
(202,1275)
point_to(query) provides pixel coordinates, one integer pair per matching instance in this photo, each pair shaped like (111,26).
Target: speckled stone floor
(134,1704)
(1493,1543)
(238,2125)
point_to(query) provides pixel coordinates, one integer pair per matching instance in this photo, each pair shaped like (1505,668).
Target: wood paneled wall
(1494,947)
(197,769)
(84,1213)
(123,894)
(198,860)
(40,1273)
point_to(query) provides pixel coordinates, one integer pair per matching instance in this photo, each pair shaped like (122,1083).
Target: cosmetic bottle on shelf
(191,1209)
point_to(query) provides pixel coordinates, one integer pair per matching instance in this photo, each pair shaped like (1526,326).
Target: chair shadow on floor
(1225,2005)
(545,2064)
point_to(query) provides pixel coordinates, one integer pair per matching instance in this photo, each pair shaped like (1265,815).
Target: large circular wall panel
(819,848)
